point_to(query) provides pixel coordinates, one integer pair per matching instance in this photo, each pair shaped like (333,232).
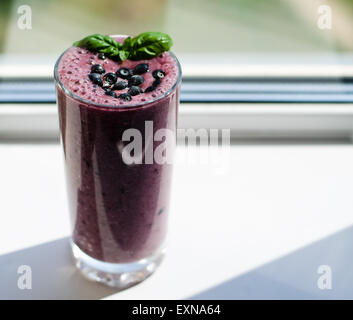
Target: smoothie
(118,211)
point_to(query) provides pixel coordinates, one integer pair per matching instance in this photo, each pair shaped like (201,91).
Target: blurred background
(197,26)
(232,52)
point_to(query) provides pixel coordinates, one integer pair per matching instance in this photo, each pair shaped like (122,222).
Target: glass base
(118,275)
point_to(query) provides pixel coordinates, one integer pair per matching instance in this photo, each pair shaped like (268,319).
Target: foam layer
(75,66)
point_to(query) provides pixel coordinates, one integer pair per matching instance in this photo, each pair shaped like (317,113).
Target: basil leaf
(123,55)
(100,44)
(127,44)
(148,45)
(125,49)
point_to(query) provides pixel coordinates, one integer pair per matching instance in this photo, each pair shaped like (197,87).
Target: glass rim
(129,106)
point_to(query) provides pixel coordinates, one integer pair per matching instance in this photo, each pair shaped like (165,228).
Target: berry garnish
(156,82)
(134,91)
(136,80)
(97,68)
(96,78)
(120,85)
(111,93)
(158,74)
(124,73)
(141,68)
(110,78)
(101,56)
(125,97)
(150,89)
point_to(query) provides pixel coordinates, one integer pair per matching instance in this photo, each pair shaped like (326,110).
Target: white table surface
(260,229)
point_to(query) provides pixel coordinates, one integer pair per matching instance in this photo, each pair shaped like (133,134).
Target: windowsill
(223,227)
(248,122)
(215,65)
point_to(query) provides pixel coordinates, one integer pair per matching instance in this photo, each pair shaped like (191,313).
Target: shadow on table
(53,274)
(297,275)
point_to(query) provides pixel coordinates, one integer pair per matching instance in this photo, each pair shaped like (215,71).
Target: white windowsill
(215,65)
(258,121)
(223,227)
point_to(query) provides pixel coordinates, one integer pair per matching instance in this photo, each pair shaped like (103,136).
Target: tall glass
(118,209)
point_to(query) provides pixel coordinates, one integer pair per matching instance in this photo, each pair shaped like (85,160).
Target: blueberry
(158,74)
(125,96)
(134,91)
(97,68)
(124,73)
(150,89)
(156,82)
(120,85)
(101,56)
(96,78)
(136,81)
(110,78)
(111,93)
(141,68)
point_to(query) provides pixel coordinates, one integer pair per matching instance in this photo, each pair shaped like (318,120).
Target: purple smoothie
(118,211)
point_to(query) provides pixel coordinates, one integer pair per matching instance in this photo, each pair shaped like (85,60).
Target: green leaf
(100,44)
(125,49)
(127,44)
(148,45)
(123,55)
